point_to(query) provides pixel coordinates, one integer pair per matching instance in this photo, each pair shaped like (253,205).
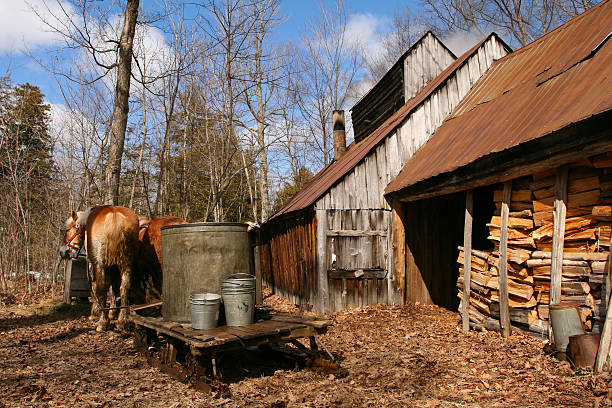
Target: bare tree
(524,21)
(330,67)
(403,31)
(121,104)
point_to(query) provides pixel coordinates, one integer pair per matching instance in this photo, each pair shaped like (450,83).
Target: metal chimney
(339,133)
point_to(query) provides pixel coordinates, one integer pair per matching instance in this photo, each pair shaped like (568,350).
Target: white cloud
(21,28)
(363,30)
(460,42)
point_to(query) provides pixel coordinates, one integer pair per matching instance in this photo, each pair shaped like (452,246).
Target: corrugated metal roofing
(558,80)
(335,171)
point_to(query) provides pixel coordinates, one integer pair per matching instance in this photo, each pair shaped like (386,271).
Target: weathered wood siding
(357,255)
(422,63)
(288,258)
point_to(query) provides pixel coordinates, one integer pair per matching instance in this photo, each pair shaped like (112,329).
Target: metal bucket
(566,322)
(204,310)
(238,293)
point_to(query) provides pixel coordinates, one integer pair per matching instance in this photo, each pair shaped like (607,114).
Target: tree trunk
(121,104)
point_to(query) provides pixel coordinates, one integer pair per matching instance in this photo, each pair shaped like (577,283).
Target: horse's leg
(114,312)
(95,309)
(126,280)
(101,285)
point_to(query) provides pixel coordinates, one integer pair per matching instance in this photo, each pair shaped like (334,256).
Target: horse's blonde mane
(82,216)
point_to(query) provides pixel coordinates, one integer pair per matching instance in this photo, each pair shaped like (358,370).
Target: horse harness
(77,233)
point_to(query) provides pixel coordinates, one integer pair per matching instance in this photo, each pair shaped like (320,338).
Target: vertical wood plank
(322,261)
(504,312)
(467,258)
(558,234)
(604,352)
(399,255)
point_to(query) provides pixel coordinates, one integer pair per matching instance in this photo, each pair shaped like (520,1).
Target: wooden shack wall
(288,258)
(403,81)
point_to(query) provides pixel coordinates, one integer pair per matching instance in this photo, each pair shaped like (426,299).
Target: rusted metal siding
(561,79)
(288,258)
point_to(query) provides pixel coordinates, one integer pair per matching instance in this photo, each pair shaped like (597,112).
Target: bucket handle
(248,275)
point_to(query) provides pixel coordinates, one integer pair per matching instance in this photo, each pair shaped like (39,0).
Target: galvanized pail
(204,310)
(566,322)
(238,293)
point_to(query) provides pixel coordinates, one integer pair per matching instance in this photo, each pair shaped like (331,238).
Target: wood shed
(331,246)
(515,187)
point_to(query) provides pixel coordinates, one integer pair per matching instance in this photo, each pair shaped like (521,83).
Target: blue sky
(20,28)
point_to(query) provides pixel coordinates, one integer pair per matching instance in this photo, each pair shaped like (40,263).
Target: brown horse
(110,235)
(148,274)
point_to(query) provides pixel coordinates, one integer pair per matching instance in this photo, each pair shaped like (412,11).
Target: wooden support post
(399,254)
(504,311)
(604,351)
(467,258)
(556,267)
(323,291)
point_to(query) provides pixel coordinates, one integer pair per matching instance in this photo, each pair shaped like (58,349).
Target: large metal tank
(196,257)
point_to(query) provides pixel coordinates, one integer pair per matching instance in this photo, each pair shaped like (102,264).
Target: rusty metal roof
(336,170)
(558,80)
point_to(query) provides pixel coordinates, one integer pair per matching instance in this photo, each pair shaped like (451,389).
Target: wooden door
(357,243)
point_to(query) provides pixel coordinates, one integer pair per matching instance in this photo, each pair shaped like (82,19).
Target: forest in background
(223,121)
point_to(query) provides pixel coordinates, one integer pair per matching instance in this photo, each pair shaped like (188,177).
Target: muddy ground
(411,356)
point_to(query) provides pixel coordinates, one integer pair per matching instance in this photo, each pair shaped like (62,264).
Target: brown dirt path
(412,356)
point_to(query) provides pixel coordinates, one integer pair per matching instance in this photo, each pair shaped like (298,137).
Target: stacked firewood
(530,231)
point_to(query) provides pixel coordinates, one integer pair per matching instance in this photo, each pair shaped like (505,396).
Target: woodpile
(530,230)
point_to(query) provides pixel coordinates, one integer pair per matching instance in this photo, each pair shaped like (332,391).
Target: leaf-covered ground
(411,356)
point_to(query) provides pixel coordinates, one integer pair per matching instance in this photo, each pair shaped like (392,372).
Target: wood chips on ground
(409,356)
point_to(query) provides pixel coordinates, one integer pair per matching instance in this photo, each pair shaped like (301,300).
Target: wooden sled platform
(278,328)
(190,355)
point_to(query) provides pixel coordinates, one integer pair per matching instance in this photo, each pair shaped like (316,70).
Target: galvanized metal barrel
(196,258)
(566,322)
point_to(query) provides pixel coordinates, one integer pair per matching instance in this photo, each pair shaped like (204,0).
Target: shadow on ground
(54,313)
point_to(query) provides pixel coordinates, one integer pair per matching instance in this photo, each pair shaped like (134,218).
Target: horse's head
(74,237)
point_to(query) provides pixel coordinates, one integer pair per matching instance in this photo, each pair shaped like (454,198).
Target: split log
(569,272)
(517,195)
(516,255)
(523,316)
(532,263)
(545,217)
(519,223)
(571,224)
(567,288)
(478,263)
(515,302)
(593,256)
(475,252)
(521,214)
(527,242)
(581,300)
(599,267)
(513,233)
(577,200)
(516,206)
